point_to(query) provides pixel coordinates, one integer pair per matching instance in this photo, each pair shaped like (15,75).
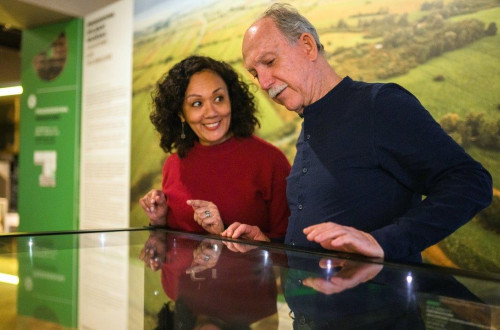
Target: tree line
(474,129)
(402,45)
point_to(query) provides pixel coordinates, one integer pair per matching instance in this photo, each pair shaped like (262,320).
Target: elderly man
(366,155)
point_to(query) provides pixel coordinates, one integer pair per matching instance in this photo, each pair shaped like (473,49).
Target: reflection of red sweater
(245,178)
(240,289)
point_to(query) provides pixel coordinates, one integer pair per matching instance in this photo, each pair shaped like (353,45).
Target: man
(366,155)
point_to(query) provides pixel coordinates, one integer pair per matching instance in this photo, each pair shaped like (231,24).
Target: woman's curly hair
(169,98)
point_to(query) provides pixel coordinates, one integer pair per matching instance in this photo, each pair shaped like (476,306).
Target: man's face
(280,67)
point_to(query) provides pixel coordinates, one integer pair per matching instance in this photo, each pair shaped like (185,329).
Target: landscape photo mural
(447,53)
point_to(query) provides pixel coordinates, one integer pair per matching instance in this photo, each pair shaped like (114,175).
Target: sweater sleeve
(278,206)
(411,146)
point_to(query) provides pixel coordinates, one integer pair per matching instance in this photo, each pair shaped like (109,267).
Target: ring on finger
(207,214)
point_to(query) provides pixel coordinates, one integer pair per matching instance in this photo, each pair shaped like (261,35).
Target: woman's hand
(154,203)
(241,230)
(205,256)
(238,247)
(207,215)
(154,251)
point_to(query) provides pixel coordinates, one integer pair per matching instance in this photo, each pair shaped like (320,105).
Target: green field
(472,77)
(474,248)
(490,160)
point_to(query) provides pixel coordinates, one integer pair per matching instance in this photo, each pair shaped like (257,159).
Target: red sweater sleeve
(278,205)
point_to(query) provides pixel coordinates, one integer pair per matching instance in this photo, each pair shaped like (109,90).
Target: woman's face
(207,108)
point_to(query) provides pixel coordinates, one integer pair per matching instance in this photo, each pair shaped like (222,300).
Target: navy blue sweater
(366,156)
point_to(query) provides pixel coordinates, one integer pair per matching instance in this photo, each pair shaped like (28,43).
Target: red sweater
(245,178)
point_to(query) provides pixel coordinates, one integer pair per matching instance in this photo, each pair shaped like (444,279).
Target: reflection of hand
(205,256)
(207,215)
(238,247)
(332,236)
(154,203)
(154,251)
(351,274)
(240,230)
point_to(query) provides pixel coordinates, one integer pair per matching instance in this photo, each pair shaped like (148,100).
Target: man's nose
(265,80)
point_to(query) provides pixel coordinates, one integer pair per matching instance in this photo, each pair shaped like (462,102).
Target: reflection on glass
(186,281)
(47,289)
(211,286)
(346,294)
(230,285)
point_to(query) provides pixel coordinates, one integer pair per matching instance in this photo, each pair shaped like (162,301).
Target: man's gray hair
(291,23)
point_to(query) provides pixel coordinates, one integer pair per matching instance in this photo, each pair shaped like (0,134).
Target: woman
(220,172)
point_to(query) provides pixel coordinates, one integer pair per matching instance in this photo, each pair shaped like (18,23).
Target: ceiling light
(9,279)
(12,90)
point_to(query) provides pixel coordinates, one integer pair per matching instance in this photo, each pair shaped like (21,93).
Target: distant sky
(147,12)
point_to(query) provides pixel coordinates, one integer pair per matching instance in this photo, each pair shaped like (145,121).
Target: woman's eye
(219,99)
(196,104)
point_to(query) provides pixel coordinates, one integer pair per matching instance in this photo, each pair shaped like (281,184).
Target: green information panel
(50,127)
(49,170)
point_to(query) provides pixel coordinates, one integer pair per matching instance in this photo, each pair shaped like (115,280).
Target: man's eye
(254,74)
(271,62)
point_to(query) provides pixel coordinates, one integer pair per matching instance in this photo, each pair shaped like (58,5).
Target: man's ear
(309,44)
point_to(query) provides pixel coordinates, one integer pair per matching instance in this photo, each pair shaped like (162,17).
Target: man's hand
(240,230)
(207,215)
(154,203)
(351,274)
(332,236)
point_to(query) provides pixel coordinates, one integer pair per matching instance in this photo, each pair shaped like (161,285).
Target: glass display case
(145,278)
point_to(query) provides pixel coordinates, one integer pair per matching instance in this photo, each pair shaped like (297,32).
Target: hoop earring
(183,136)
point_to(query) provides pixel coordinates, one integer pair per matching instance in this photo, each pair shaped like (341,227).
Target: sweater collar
(328,98)
(223,147)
